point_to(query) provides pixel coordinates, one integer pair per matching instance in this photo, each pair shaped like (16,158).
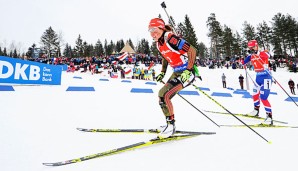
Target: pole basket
(163,5)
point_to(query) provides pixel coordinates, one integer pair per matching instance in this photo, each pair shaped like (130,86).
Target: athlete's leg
(256,95)
(166,93)
(265,92)
(169,90)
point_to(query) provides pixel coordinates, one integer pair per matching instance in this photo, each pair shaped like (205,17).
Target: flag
(114,75)
(127,71)
(123,56)
(150,66)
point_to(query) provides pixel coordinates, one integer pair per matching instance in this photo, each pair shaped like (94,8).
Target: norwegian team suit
(180,55)
(263,80)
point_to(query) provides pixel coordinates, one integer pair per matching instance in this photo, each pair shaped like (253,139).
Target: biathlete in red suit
(180,55)
(263,81)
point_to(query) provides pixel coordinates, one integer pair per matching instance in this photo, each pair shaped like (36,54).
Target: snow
(38,124)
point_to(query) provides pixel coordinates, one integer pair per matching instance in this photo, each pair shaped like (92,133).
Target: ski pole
(256,85)
(247,83)
(196,108)
(230,112)
(163,5)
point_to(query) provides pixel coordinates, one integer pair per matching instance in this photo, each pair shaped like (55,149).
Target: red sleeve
(264,56)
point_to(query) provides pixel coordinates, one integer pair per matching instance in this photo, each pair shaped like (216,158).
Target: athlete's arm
(183,47)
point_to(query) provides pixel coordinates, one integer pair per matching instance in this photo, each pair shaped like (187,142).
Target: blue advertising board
(19,71)
(64,67)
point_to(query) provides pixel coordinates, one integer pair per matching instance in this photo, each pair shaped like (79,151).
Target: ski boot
(268,120)
(167,130)
(255,112)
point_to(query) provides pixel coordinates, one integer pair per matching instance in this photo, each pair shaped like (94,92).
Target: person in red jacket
(263,81)
(180,55)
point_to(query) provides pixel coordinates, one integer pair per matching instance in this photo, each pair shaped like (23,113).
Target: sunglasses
(251,47)
(152,29)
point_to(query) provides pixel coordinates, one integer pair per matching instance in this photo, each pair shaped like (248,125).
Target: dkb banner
(19,71)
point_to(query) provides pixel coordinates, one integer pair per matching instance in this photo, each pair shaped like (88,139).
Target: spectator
(294,67)
(122,72)
(241,80)
(224,83)
(274,66)
(153,74)
(234,66)
(292,86)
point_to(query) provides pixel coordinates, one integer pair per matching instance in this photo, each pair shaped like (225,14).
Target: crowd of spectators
(141,65)
(96,64)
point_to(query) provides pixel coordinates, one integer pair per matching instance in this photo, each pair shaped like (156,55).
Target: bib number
(267,84)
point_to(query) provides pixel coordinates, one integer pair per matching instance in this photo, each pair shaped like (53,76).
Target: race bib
(267,84)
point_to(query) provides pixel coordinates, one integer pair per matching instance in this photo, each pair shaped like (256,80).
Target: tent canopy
(127,48)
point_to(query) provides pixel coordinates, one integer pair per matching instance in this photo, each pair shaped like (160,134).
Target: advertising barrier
(18,71)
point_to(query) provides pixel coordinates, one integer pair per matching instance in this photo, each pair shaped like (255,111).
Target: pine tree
(190,34)
(30,52)
(49,40)
(99,51)
(111,48)
(181,30)
(106,50)
(279,29)
(143,47)
(291,34)
(153,49)
(248,32)
(172,22)
(215,33)
(238,46)
(202,51)
(79,47)
(5,52)
(67,51)
(86,50)
(119,45)
(15,53)
(227,41)
(264,32)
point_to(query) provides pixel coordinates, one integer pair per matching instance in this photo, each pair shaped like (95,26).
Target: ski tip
(80,129)
(269,142)
(47,164)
